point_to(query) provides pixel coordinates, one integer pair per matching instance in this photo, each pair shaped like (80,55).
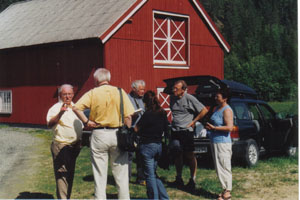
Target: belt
(106,127)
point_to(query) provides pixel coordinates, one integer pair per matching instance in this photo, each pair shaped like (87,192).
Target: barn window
(5,102)
(170,40)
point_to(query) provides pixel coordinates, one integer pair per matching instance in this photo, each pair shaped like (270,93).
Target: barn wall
(34,74)
(129,53)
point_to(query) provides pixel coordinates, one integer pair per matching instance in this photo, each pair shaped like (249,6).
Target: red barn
(45,43)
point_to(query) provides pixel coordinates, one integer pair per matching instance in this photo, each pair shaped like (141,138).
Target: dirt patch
(21,163)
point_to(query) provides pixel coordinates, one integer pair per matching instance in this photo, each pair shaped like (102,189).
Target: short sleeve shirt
(184,110)
(68,130)
(104,105)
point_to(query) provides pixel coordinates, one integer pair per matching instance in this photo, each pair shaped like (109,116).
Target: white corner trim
(124,20)
(211,26)
(170,67)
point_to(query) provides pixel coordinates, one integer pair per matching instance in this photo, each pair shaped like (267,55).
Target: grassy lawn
(290,107)
(274,175)
(271,173)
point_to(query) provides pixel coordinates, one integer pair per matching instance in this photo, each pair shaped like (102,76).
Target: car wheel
(252,153)
(291,151)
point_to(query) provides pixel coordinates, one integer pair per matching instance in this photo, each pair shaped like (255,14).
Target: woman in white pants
(221,123)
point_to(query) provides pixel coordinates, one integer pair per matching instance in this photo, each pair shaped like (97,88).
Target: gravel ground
(15,153)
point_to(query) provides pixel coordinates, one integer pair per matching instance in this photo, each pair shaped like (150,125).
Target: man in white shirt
(65,148)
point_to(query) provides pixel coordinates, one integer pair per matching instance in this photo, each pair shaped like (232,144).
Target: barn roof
(35,22)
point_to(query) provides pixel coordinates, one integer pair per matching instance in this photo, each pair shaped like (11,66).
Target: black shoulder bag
(125,135)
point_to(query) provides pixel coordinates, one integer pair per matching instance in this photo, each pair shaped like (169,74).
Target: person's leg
(162,192)
(130,158)
(148,152)
(119,165)
(139,167)
(224,165)
(176,152)
(99,157)
(73,154)
(60,170)
(192,161)
(188,148)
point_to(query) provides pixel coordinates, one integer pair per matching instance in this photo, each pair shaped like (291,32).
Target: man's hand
(192,124)
(91,124)
(63,108)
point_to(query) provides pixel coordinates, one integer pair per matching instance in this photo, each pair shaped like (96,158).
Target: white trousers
(222,153)
(104,147)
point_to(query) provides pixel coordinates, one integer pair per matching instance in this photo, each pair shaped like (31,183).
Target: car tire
(291,151)
(252,153)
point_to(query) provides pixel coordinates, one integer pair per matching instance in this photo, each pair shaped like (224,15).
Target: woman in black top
(151,127)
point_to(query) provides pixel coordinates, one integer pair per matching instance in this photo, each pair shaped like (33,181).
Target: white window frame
(5,101)
(164,100)
(169,62)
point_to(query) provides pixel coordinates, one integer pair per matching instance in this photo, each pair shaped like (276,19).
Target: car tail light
(234,134)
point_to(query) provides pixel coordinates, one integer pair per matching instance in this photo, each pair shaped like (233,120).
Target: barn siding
(129,53)
(34,74)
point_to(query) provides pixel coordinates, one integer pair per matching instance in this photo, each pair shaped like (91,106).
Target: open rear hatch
(204,88)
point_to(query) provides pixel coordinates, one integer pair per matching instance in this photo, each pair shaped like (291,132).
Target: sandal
(225,195)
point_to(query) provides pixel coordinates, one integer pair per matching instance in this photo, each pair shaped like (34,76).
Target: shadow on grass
(88,178)
(198,191)
(34,195)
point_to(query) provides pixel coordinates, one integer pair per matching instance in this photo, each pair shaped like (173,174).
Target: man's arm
(199,116)
(83,118)
(128,121)
(54,120)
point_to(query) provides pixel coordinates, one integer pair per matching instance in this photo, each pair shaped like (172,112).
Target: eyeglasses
(175,88)
(67,94)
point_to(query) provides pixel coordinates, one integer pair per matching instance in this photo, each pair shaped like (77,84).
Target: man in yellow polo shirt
(104,104)
(65,147)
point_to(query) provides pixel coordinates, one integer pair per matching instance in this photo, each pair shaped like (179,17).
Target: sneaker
(178,183)
(191,186)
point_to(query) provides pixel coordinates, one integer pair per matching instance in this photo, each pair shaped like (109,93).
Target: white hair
(101,75)
(64,86)
(61,88)
(135,84)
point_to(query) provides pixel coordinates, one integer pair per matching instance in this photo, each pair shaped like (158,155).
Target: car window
(268,115)
(240,110)
(253,112)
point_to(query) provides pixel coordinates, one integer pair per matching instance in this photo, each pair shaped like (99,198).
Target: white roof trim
(211,26)
(123,21)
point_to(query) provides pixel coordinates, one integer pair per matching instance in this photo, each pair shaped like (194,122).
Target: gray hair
(135,84)
(101,75)
(64,86)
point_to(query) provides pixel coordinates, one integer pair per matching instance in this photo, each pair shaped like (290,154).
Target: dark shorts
(182,141)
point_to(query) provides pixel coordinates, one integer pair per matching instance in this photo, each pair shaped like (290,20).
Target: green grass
(285,108)
(270,172)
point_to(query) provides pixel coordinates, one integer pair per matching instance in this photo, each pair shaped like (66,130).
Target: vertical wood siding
(129,53)
(34,74)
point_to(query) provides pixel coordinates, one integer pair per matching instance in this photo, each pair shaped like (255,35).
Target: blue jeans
(150,154)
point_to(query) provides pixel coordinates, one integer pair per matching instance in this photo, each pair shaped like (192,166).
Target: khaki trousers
(64,160)
(104,147)
(222,153)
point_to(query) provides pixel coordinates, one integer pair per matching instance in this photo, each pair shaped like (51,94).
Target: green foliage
(263,39)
